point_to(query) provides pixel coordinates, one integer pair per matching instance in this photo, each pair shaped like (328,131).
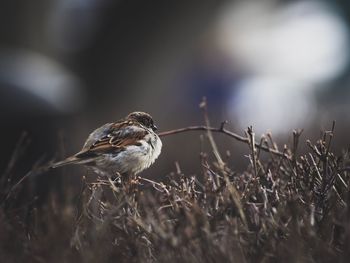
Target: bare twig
(203,105)
(228,133)
(252,146)
(36,170)
(21,145)
(296,137)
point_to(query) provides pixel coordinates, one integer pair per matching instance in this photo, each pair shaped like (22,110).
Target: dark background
(67,67)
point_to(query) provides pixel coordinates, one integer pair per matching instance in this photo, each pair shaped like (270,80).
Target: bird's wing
(97,134)
(112,138)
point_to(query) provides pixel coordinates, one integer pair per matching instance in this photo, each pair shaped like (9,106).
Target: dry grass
(288,208)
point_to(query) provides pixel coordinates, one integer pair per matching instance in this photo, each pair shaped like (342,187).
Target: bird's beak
(154,127)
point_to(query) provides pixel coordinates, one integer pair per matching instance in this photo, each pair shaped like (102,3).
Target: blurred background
(69,66)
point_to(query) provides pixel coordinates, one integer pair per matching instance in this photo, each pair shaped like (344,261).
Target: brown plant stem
(226,132)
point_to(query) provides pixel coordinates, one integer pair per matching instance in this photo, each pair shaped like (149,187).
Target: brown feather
(105,143)
(112,144)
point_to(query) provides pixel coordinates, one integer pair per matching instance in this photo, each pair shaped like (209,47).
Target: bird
(123,148)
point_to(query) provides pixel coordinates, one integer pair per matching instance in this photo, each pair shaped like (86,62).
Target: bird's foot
(136,181)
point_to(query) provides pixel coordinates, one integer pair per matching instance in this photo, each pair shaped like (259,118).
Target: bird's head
(144,118)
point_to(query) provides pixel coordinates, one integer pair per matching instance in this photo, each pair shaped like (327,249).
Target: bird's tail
(69,160)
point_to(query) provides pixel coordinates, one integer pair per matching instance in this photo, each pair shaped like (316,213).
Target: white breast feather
(135,158)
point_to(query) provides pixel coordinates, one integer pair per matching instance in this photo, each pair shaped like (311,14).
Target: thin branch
(203,106)
(226,132)
(252,146)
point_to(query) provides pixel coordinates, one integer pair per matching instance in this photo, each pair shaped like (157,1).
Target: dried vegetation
(284,208)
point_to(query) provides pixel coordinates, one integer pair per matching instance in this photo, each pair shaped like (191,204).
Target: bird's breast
(134,158)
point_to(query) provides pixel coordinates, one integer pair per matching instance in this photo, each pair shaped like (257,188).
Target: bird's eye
(154,127)
(148,122)
(145,122)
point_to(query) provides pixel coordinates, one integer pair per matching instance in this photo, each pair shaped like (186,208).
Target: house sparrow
(125,147)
